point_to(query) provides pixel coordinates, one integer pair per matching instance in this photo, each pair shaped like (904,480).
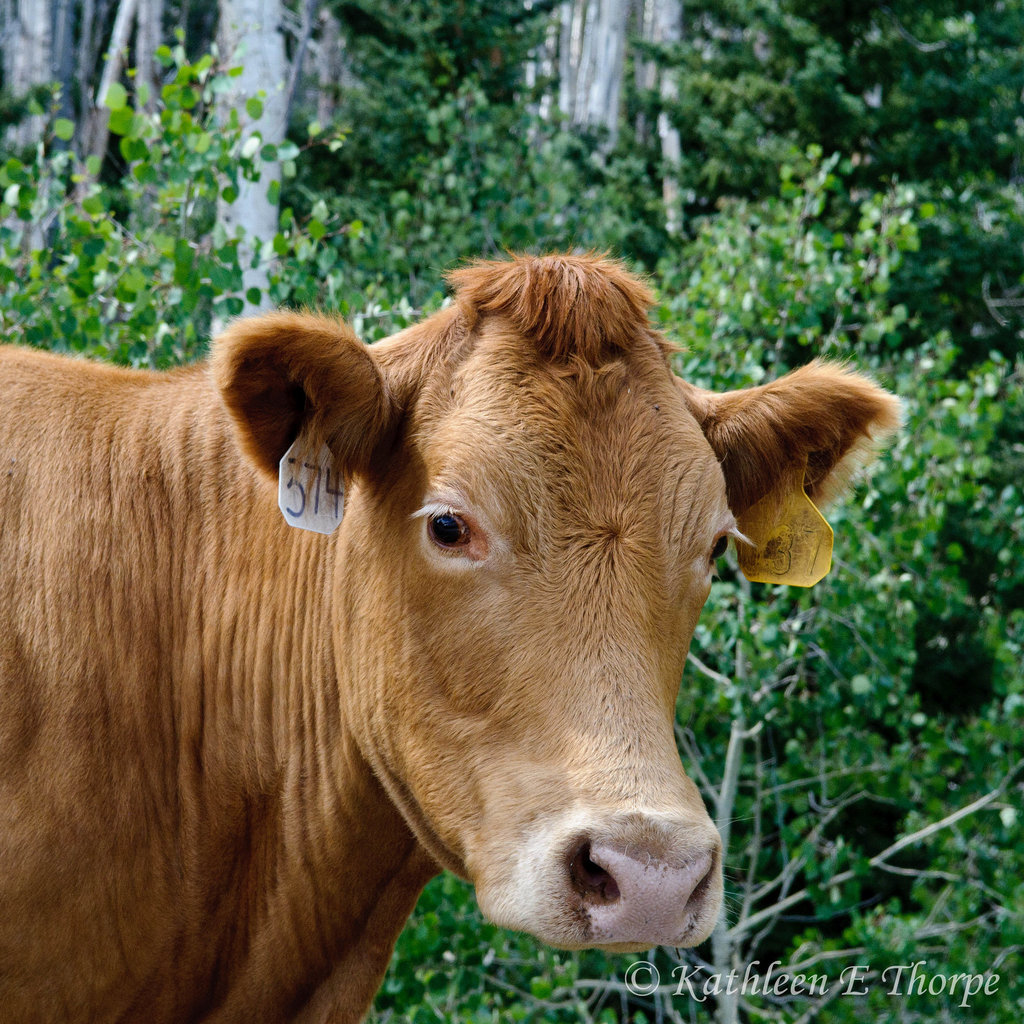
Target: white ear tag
(310,491)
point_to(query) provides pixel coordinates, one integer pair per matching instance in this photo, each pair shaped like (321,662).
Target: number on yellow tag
(791,540)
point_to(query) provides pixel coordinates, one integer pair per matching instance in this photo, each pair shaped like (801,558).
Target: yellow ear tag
(791,541)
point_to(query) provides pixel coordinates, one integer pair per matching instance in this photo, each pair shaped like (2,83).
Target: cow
(235,745)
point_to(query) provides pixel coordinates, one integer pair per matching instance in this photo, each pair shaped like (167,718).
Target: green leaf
(116,97)
(254,108)
(64,129)
(121,121)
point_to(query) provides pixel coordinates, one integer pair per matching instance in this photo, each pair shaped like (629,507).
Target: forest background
(796,178)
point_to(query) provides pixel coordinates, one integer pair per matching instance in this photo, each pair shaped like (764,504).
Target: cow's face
(530,537)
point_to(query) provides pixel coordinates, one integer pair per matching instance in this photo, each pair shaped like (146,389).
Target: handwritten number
(338,492)
(316,477)
(292,482)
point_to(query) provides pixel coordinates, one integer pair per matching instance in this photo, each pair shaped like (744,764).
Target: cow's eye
(449,530)
(719,549)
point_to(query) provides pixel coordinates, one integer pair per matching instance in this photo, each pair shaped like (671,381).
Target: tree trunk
(591,61)
(28,62)
(645,70)
(330,67)
(667,30)
(566,81)
(97,118)
(309,15)
(63,57)
(250,35)
(85,55)
(149,34)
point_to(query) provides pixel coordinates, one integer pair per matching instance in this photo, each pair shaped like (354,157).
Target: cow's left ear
(289,373)
(822,415)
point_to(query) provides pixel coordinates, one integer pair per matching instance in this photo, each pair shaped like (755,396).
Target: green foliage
(445,158)
(767,283)
(922,94)
(137,270)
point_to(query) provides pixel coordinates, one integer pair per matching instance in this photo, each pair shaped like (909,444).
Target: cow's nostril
(590,878)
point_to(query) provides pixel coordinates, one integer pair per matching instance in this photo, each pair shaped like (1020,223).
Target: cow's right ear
(286,374)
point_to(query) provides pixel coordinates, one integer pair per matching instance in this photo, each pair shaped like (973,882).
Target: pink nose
(631,898)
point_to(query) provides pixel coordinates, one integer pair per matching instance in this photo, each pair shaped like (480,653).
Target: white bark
(602,59)
(86,50)
(330,56)
(667,29)
(309,14)
(98,118)
(567,58)
(62,61)
(333,71)
(250,35)
(591,59)
(28,61)
(148,36)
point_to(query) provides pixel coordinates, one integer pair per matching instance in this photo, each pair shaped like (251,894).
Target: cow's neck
(282,802)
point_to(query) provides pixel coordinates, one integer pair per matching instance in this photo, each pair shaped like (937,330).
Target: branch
(708,671)
(913,40)
(688,743)
(742,927)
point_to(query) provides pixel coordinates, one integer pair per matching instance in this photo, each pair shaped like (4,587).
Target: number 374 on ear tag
(790,540)
(310,489)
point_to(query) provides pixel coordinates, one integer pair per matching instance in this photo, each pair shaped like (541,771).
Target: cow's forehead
(573,448)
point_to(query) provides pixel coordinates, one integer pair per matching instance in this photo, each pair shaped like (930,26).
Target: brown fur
(584,308)
(232,753)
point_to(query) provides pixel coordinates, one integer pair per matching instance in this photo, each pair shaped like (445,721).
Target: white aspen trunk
(333,71)
(603,61)
(250,35)
(149,35)
(571,18)
(592,54)
(85,53)
(667,29)
(309,14)
(329,60)
(98,118)
(63,56)
(644,70)
(28,62)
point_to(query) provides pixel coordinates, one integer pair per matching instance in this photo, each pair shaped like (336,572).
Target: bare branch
(741,928)
(708,671)
(913,40)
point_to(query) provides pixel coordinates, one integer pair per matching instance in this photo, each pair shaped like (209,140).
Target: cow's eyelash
(436,508)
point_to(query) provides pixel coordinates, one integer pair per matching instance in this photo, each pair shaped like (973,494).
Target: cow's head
(535,509)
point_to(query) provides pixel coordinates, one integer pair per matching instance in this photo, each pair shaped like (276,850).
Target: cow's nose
(631,896)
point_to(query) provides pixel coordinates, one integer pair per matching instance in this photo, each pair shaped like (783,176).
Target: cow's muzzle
(635,895)
(625,881)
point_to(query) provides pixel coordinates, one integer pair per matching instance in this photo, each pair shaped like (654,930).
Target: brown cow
(233,752)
